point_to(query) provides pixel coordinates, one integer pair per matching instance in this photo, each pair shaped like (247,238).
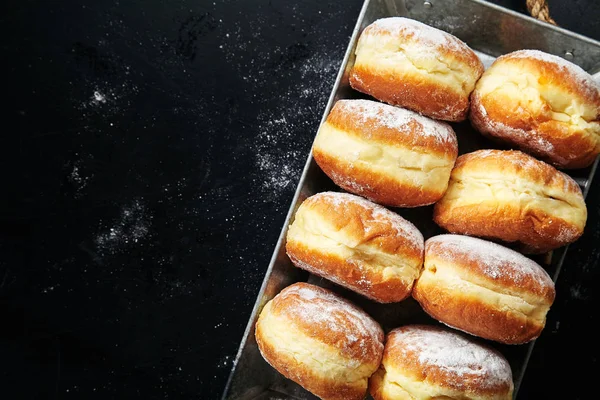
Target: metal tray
(489,30)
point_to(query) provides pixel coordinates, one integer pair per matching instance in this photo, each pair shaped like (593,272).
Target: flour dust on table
(132,226)
(158,150)
(279,157)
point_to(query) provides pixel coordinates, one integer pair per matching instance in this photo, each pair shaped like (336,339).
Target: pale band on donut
(387,154)
(357,244)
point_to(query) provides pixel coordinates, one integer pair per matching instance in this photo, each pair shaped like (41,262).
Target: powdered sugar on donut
(378,214)
(327,311)
(452,353)
(567,234)
(350,184)
(495,261)
(512,157)
(431,37)
(569,184)
(583,79)
(396,118)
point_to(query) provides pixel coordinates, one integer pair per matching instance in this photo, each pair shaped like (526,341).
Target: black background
(150,151)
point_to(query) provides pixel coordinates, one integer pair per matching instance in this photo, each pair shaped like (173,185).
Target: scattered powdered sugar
(496,261)
(512,157)
(108,101)
(378,213)
(567,234)
(280,171)
(484,153)
(396,118)
(402,227)
(98,98)
(279,156)
(324,309)
(225,362)
(132,226)
(570,184)
(585,80)
(453,353)
(50,288)
(347,182)
(428,35)
(77,176)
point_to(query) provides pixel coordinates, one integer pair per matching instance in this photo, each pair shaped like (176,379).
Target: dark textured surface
(150,151)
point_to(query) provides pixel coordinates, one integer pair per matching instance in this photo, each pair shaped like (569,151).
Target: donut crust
(428,362)
(320,341)
(484,289)
(386,154)
(511,197)
(542,105)
(357,244)
(406,63)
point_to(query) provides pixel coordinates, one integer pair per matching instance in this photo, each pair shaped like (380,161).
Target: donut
(541,104)
(513,198)
(406,63)
(387,154)
(484,289)
(357,244)
(321,341)
(430,362)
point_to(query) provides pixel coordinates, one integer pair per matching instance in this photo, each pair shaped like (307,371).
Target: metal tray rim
(537,22)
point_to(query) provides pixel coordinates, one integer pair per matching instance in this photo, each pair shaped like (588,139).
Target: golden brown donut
(484,289)
(320,341)
(509,196)
(427,362)
(387,154)
(542,104)
(357,244)
(404,62)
